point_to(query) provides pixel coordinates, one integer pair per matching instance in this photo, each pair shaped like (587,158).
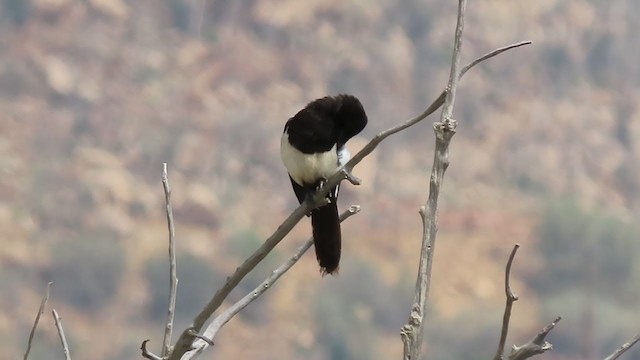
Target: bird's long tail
(327,238)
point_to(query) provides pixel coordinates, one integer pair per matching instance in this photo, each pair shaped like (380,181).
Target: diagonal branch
(622,349)
(535,346)
(63,339)
(215,326)
(430,110)
(495,52)
(185,340)
(511,298)
(35,323)
(413,332)
(173,277)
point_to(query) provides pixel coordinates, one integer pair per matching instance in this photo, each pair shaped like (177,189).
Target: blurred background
(96,94)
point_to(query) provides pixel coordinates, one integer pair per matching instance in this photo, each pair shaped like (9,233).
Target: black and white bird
(312,149)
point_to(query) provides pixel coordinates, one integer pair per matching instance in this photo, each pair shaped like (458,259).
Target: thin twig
(535,346)
(492,54)
(223,318)
(43,303)
(63,339)
(146,353)
(511,298)
(173,277)
(185,340)
(622,349)
(412,333)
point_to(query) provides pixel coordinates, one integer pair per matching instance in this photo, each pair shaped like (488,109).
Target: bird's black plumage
(313,149)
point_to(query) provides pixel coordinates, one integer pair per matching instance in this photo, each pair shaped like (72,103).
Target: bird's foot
(320,184)
(314,199)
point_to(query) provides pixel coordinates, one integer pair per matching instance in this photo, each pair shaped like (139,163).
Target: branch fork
(445,129)
(535,346)
(350,177)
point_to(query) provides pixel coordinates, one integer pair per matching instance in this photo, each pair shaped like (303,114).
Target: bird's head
(350,116)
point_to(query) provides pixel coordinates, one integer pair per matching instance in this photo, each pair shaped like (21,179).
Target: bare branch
(184,343)
(412,333)
(511,298)
(535,346)
(223,318)
(146,354)
(63,339)
(495,52)
(430,110)
(35,323)
(185,340)
(622,349)
(173,277)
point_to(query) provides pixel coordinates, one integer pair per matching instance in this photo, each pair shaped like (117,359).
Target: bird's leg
(313,197)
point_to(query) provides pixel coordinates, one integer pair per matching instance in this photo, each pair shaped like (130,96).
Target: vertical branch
(173,278)
(454,74)
(63,339)
(35,323)
(511,298)
(412,333)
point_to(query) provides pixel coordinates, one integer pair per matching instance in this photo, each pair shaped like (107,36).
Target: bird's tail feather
(327,238)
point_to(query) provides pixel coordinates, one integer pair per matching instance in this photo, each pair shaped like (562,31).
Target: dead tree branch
(489,55)
(35,323)
(622,349)
(63,339)
(223,318)
(412,333)
(535,346)
(173,277)
(368,149)
(186,338)
(511,298)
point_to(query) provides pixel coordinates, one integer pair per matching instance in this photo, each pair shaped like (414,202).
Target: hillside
(96,94)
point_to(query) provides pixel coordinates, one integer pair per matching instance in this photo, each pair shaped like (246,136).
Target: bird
(312,148)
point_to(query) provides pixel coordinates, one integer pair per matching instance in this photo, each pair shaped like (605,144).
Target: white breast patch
(307,168)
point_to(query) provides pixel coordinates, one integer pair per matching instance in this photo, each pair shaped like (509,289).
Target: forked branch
(535,346)
(186,338)
(215,326)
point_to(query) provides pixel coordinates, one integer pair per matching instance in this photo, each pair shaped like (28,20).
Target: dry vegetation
(95,95)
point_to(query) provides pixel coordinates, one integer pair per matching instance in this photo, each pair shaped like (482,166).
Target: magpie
(312,149)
